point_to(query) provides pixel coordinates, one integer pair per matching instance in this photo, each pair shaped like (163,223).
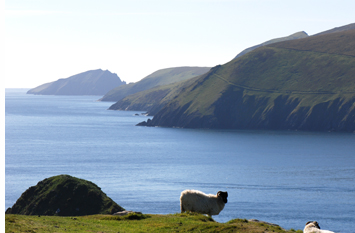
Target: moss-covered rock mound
(64,195)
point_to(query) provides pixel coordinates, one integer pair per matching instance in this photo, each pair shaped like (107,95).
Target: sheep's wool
(197,201)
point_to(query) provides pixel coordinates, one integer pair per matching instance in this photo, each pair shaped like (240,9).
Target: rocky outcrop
(93,82)
(126,212)
(64,195)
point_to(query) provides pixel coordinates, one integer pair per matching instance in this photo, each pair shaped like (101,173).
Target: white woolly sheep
(199,202)
(313,227)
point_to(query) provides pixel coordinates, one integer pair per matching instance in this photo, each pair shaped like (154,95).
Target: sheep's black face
(223,195)
(314,223)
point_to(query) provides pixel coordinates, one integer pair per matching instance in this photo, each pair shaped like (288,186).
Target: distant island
(92,82)
(302,84)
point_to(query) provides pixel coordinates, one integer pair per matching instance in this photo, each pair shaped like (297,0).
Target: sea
(282,177)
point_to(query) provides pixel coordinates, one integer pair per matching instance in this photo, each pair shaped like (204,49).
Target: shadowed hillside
(158,78)
(151,100)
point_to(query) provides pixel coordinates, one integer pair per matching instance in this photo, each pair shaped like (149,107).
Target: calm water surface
(287,178)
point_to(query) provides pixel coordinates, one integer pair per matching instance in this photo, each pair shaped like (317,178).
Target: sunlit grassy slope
(134,223)
(294,36)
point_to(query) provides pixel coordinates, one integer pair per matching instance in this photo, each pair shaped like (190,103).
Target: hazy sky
(50,39)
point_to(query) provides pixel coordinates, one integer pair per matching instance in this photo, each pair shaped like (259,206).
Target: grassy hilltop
(134,223)
(304,84)
(294,36)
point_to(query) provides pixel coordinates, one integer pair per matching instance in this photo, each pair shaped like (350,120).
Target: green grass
(341,43)
(186,222)
(282,70)
(294,36)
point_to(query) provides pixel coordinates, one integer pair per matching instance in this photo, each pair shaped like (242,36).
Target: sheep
(313,227)
(199,202)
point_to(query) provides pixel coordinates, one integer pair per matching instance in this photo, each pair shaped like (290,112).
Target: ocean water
(287,178)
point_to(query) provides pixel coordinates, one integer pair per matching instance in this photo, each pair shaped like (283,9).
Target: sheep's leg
(182,209)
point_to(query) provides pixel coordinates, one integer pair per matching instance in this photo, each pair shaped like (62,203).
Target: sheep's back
(316,230)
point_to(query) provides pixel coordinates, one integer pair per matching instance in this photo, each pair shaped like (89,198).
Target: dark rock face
(64,195)
(237,111)
(93,82)
(284,113)
(176,117)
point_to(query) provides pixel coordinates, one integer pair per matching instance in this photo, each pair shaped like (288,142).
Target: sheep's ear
(224,193)
(317,225)
(308,222)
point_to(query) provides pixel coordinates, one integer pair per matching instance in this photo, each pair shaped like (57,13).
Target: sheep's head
(313,224)
(223,195)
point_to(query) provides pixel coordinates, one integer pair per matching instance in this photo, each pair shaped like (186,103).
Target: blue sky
(48,39)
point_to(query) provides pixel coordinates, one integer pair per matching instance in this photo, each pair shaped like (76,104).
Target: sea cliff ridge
(303,84)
